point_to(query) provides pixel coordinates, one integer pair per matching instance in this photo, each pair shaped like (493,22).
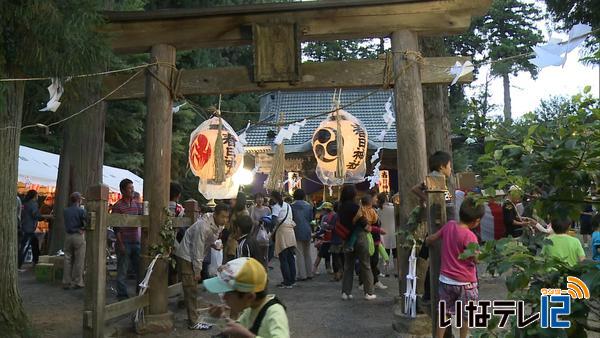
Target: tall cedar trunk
(13,319)
(507,107)
(82,156)
(436,103)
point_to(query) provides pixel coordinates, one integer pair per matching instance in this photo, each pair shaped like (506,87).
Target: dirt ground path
(315,309)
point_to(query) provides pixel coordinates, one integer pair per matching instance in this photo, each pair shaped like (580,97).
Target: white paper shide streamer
(554,52)
(376,176)
(239,145)
(289,131)
(389,118)
(55,90)
(176,108)
(459,70)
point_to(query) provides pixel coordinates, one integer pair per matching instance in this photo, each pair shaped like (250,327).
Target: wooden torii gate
(276,32)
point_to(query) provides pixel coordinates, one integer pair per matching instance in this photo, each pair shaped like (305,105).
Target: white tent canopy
(40,167)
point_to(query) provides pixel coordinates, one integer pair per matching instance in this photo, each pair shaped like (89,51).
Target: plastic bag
(371,244)
(383,253)
(262,236)
(216,259)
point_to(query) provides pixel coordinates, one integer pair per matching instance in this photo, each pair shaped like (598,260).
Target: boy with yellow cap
(243,283)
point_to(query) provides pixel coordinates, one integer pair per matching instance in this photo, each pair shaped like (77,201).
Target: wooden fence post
(436,218)
(95,262)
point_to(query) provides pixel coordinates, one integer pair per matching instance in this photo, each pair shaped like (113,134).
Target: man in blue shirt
(74,249)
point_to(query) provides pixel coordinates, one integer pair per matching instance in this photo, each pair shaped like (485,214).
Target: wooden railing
(96,311)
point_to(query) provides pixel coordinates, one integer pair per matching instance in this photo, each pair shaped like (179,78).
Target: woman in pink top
(458,277)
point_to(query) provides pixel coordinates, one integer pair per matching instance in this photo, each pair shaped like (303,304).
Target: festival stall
(38,170)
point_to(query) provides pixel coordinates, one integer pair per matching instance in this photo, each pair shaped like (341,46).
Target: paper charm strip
(289,131)
(410,296)
(55,90)
(554,52)
(460,70)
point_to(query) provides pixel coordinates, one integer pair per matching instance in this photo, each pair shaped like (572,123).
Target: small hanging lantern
(340,147)
(214,165)
(384,181)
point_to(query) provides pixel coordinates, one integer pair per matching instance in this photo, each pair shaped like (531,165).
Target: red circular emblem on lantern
(200,152)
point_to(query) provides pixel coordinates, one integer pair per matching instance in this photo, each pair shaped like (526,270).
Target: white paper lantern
(325,148)
(202,159)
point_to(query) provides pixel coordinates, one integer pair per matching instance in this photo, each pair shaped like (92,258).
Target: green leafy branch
(166,245)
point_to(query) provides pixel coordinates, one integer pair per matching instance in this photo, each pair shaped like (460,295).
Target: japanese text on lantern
(359,153)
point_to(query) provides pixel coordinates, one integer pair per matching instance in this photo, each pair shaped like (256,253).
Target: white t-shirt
(280,212)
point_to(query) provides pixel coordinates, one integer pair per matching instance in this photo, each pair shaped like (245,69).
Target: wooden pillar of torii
(157,174)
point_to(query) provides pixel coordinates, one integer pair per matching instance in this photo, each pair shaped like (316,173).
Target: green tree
(37,38)
(341,50)
(556,153)
(563,152)
(509,29)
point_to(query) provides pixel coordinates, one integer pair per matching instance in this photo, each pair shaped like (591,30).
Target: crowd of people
(347,235)
(352,235)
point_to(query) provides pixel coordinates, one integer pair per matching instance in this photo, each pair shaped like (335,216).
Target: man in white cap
(243,283)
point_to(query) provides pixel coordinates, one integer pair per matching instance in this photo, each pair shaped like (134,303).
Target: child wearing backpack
(368,214)
(458,277)
(254,312)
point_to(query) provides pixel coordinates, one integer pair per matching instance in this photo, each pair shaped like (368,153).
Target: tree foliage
(527,272)
(556,153)
(342,50)
(560,154)
(509,29)
(41,39)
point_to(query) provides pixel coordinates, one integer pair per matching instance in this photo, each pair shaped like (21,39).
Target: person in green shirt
(243,283)
(564,247)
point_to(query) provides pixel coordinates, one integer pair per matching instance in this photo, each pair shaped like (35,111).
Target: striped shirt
(129,207)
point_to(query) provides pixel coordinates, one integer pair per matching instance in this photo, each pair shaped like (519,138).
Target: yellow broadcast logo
(576,288)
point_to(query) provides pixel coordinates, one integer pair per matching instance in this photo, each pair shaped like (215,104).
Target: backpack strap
(261,314)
